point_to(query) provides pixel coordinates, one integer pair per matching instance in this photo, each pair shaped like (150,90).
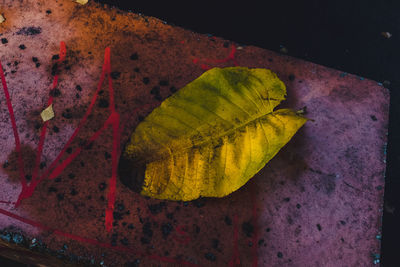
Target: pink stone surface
(317,203)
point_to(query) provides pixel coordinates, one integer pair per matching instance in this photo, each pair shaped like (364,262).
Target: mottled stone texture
(317,203)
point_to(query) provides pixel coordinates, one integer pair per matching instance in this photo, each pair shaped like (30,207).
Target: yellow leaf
(210,137)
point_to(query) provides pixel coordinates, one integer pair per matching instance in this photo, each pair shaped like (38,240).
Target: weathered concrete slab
(318,203)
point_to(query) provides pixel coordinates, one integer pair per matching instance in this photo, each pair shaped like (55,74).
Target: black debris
(4,40)
(35,59)
(102,186)
(55,92)
(248,228)
(134,56)
(163,83)
(166,229)
(146,80)
(103,103)
(115,75)
(55,57)
(210,256)
(22,46)
(56,129)
(228,220)
(29,31)
(78,87)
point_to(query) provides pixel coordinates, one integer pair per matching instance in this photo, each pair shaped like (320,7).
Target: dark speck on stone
(117,215)
(73,192)
(215,243)
(35,59)
(172,89)
(124,241)
(77,96)
(158,97)
(54,69)
(6,164)
(67,114)
(69,150)
(22,46)
(60,196)
(226,44)
(146,80)
(287,199)
(163,83)
(130,226)
(279,254)
(156,208)
(155,90)
(56,129)
(147,229)
(55,57)
(136,70)
(28,177)
(134,263)
(228,220)
(78,87)
(48,11)
(42,165)
(37,64)
(268,230)
(4,40)
(319,227)
(298,206)
(71,176)
(115,75)
(107,155)
(373,118)
(342,222)
(29,31)
(120,206)
(55,92)
(134,56)
(210,256)
(166,229)
(260,242)
(103,103)
(102,186)
(57,180)
(247,228)
(52,189)
(291,77)
(199,202)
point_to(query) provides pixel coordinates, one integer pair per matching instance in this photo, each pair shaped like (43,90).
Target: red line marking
(185,236)
(230,57)
(62,54)
(15,130)
(235,260)
(95,242)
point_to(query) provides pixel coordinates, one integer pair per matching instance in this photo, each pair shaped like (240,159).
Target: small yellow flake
(82,2)
(48,113)
(2,18)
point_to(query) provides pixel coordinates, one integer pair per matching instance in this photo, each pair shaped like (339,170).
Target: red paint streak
(230,57)
(235,260)
(55,167)
(185,239)
(94,241)
(15,130)
(7,202)
(62,54)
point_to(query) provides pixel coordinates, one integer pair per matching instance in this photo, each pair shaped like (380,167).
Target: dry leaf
(210,137)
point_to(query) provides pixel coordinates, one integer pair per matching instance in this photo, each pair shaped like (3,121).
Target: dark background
(344,35)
